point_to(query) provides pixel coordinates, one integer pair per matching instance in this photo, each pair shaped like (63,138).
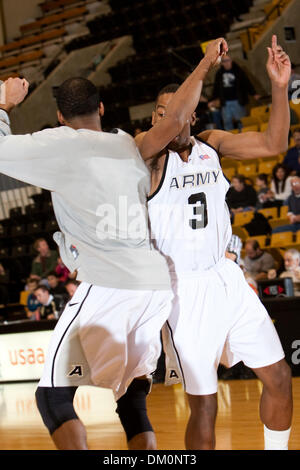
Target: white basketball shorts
(216,317)
(106,337)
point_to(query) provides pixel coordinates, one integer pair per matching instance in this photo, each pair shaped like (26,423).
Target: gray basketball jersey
(99,186)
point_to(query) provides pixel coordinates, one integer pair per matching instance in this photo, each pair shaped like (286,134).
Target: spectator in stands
(293,85)
(281,187)
(292,269)
(45,262)
(56,287)
(292,158)
(63,272)
(51,306)
(71,287)
(257,262)
(33,305)
(294,208)
(264,194)
(241,196)
(4,281)
(232,88)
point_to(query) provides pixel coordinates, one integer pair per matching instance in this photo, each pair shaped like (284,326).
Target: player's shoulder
(214,137)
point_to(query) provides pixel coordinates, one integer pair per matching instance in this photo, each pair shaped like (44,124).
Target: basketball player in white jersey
(214,310)
(109,333)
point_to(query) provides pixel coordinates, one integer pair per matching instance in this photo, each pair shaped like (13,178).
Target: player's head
(296,136)
(41,246)
(295,182)
(291,259)
(226,62)
(262,180)
(252,249)
(42,294)
(53,279)
(71,286)
(77,100)
(182,140)
(238,182)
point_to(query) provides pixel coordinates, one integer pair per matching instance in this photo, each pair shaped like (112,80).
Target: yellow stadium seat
(281,239)
(250,121)
(252,128)
(23,297)
(240,232)
(283,211)
(261,112)
(269,212)
(296,108)
(229,172)
(279,221)
(242,218)
(266,165)
(263,126)
(247,167)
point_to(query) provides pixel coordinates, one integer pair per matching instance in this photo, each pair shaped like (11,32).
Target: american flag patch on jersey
(204,157)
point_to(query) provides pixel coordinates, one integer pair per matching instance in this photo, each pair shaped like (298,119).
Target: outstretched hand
(16,90)
(216,50)
(278,64)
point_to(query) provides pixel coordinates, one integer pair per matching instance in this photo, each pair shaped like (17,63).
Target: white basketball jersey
(190,222)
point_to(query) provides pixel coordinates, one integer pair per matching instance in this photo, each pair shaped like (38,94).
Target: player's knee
(203,404)
(55,405)
(281,379)
(132,409)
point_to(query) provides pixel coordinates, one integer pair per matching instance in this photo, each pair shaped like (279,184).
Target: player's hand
(216,50)
(272,274)
(16,89)
(278,64)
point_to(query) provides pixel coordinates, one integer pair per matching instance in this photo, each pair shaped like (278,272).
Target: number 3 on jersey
(199,210)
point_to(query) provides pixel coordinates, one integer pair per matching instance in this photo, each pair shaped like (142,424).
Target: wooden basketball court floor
(238,425)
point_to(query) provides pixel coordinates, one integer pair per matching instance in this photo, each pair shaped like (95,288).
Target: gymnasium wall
(17,12)
(258,55)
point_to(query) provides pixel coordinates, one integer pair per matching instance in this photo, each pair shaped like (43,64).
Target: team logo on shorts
(173,374)
(76,370)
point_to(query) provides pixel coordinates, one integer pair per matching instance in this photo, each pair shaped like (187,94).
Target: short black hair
(77,97)
(43,288)
(53,273)
(171,88)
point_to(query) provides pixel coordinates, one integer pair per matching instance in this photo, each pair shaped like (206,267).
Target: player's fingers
(270,55)
(274,42)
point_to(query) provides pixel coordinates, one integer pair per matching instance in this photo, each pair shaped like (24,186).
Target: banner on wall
(22,355)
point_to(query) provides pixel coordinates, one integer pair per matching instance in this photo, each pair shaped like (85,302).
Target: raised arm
(182,105)
(274,140)
(32,158)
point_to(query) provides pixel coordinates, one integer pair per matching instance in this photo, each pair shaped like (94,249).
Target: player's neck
(92,123)
(185,152)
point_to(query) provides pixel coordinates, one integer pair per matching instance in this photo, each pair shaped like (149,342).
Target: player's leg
(276,405)
(200,431)
(253,339)
(132,411)
(55,405)
(197,330)
(143,351)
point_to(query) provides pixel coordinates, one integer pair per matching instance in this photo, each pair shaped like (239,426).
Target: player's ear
(193,119)
(101,109)
(60,118)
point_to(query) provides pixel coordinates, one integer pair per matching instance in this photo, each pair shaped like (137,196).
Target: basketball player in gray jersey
(215,314)
(109,333)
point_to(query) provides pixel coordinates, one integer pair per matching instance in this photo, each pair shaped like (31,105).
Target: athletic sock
(276,440)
